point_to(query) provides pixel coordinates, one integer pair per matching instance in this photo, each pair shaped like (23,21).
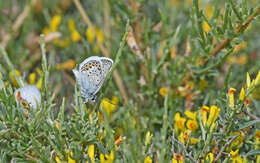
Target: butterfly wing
(91,75)
(107,64)
(87,87)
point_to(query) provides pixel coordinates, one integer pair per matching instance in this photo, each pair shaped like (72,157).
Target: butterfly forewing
(106,67)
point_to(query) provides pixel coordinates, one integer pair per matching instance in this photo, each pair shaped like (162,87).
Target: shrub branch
(238,30)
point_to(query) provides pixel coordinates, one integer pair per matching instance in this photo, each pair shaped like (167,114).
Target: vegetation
(184,86)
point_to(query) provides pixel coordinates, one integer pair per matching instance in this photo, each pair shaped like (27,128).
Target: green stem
(164,129)
(11,66)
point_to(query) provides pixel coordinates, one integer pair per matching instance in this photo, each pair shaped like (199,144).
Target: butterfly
(91,74)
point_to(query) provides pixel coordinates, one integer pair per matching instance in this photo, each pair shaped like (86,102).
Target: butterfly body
(91,75)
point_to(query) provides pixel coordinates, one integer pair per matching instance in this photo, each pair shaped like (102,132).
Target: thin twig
(104,50)
(107,21)
(224,147)
(251,115)
(239,29)
(220,46)
(173,136)
(83,13)
(185,150)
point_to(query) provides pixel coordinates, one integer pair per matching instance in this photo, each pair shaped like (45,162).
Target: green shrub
(184,86)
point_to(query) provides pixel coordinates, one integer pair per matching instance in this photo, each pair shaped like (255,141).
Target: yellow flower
(108,158)
(75,36)
(240,46)
(55,22)
(191,115)
(184,136)
(108,106)
(192,125)
(147,138)
(148,159)
(71,25)
(238,141)
(257,134)
(177,158)
(11,76)
(206,27)
(203,84)
(213,115)
(179,122)
(235,156)
(258,158)
(231,97)
(57,125)
(210,157)
(67,65)
(91,153)
(70,160)
(57,159)
(257,79)
(90,34)
(32,78)
(194,141)
(115,100)
(257,139)
(240,60)
(208,10)
(62,42)
(163,91)
(248,80)
(45,31)
(39,82)
(242,94)
(204,112)
(100,35)
(102,158)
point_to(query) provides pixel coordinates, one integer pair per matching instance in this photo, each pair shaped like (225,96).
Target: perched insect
(91,74)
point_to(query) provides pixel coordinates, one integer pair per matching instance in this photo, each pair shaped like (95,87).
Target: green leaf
(253,152)
(247,124)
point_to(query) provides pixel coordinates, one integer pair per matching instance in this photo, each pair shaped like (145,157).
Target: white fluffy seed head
(29,94)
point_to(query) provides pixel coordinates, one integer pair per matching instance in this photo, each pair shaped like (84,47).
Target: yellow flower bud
(206,27)
(100,35)
(163,91)
(91,153)
(32,78)
(55,22)
(90,34)
(147,137)
(242,94)
(248,80)
(68,65)
(11,76)
(148,159)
